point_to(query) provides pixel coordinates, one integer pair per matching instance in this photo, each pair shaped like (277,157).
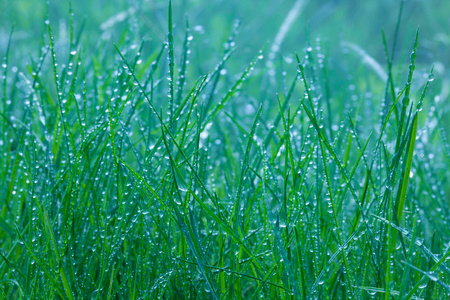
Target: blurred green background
(356,21)
(103,23)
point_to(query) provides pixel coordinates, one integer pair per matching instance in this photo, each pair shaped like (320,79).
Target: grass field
(224,149)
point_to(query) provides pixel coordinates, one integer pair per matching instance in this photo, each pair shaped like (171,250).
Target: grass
(137,169)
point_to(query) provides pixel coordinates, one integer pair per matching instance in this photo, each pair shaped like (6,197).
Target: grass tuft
(161,155)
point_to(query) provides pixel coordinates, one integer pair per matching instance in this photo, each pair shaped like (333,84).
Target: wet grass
(131,171)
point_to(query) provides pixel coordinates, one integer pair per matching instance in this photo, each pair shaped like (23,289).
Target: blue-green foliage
(224,150)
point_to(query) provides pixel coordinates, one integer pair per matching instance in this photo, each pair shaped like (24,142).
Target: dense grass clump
(136,168)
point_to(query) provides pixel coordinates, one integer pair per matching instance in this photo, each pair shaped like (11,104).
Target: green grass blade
(401,195)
